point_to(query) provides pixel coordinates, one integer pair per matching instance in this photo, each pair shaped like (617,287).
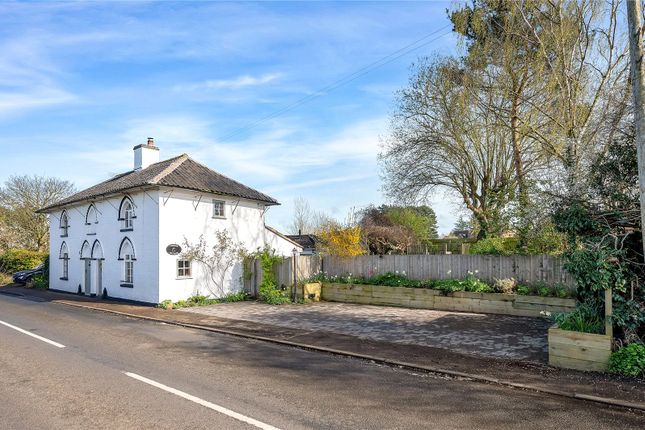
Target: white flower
(476,271)
(403,273)
(448,272)
(396,271)
(545,313)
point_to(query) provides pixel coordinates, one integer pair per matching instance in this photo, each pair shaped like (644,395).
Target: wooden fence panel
(525,269)
(529,269)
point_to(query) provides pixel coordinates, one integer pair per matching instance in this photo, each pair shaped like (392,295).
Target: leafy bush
(523,290)
(583,319)
(546,240)
(239,296)
(628,360)
(494,246)
(268,291)
(544,291)
(562,291)
(474,285)
(15,260)
(166,304)
(198,300)
(5,279)
(505,286)
(448,285)
(40,282)
(392,280)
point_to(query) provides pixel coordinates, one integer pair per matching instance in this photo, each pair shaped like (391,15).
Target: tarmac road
(95,370)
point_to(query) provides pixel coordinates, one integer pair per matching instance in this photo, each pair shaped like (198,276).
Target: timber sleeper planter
(578,350)
(463,301)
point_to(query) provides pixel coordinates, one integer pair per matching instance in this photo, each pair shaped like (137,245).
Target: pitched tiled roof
(304,240)
(179,172)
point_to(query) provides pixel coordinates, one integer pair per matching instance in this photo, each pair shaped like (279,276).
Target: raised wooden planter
(309,292)
(577,350)
(462,301)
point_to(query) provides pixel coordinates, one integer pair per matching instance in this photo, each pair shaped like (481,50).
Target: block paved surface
(486,335)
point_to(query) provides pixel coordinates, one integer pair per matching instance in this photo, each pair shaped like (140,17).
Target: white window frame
(90,223)
(184,269)
(128,216)
(64,226)
(128,269)
(217,203)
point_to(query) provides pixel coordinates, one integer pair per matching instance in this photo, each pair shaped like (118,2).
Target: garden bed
(462,301)
(578,350)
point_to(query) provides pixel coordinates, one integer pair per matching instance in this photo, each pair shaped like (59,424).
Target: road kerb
(381,360)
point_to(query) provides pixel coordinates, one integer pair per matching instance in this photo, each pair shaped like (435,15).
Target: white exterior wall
(144,238)
(162,218)
(183,217)
(280,244)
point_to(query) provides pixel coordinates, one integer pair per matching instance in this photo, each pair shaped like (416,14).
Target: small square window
(218,209)
(184,269)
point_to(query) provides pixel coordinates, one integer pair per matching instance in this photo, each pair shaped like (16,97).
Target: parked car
(25,276)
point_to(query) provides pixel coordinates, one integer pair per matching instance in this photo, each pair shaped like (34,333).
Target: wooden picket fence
(527,269)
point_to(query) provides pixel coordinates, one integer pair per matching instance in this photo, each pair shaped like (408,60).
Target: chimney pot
(151,141)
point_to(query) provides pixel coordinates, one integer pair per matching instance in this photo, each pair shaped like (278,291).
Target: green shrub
(505,286)
(180,304)
(544,291)
(628,360)
(268,291)
(448,285)
(474,285)
(239,296)
(392,280)
(494,246)
(523,290)
(562,291)
(5,278)
(166,304)
(546,240)
(584,318)
(16,260)
(40,282)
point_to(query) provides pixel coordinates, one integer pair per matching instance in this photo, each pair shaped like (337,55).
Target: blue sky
(82,83)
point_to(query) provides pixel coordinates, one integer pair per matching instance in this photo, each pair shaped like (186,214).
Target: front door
(88,277)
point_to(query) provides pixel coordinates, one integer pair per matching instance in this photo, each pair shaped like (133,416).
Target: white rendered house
(123,237)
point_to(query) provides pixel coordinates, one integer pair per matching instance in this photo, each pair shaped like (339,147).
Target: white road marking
(203,402)
(28,333)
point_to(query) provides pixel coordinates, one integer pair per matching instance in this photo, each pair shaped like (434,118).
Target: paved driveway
(480,334)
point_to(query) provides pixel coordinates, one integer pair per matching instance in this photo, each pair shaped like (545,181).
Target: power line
(342,81)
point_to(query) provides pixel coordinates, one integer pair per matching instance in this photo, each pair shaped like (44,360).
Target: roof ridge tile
(171,167)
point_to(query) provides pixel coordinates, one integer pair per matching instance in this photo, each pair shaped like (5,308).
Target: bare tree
(584,52)
(306,220)
(20,197)
(302,221)
(445,135)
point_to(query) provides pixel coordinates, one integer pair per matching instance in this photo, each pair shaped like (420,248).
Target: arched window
(126,213)
(63,256)
(86,250)
(126,254)
(91,219)
(97,251)
(64,224)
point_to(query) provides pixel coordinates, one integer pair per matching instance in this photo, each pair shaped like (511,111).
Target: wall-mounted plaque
(173,249)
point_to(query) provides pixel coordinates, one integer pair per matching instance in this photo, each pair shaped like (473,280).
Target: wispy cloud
(236,83)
